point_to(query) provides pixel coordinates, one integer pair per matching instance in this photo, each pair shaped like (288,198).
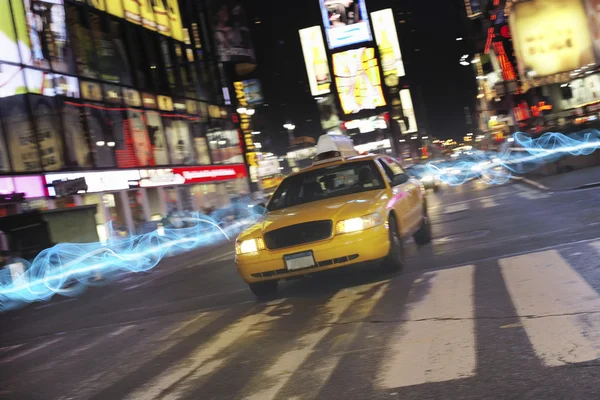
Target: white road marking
(553,300)
(531,195)
(9,348)
(433,207)
(88,346)
(220,257)
(456,208)
(488,203)
(56,303)
(203,358)
(284,368)
(31,350)
(437,342)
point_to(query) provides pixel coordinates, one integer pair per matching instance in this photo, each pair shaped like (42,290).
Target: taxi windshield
(325,183)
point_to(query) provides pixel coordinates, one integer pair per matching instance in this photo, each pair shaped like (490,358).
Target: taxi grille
(294,235)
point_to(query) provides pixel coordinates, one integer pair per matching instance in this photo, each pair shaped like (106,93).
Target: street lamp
(289,127)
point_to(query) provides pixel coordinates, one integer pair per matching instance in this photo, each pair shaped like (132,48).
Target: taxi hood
(336,209)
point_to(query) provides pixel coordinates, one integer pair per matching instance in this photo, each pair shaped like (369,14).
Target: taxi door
(406,196)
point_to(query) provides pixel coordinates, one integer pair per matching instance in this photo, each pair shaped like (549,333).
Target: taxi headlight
(358,224)
(427,178)
(250,246)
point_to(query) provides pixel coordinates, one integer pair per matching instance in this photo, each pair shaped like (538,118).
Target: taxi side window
(394,166)
(387,169)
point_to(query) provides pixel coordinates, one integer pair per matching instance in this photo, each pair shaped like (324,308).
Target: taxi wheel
(423,235)
(395,258)
(263,289)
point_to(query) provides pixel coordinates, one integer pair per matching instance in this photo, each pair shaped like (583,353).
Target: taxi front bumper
(335,252)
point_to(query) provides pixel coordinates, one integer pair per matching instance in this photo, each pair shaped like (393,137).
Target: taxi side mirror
(400,179)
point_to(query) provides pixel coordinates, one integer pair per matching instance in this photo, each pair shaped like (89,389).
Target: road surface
(503,304)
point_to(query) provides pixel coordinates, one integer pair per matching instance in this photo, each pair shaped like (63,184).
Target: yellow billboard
(550,37)
(157,15)
(386,37)
(358,81)
(315,59)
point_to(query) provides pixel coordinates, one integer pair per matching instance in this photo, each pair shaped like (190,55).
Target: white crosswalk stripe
(437,341)
(488,203)
(552,300)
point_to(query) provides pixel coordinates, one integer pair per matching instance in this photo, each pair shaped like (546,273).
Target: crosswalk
(394,338)
(487,202)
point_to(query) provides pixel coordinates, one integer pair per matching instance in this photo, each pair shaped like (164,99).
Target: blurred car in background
(428,176)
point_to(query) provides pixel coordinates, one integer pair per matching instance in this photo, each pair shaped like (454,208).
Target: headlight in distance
(358,224)
(249,246)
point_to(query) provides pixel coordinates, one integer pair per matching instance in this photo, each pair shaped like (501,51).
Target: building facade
(118,103)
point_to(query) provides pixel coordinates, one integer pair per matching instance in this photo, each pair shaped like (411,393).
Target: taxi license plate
(302,260)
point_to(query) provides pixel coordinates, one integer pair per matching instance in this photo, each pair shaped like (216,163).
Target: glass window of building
(8,37)
(41,27)
(139,138)
(83,47)
(48,131)
(110,50)
(140,70)
(200,144)
(157,138)
(78,153)
(224,145)
(19,133)
(100,127)
(167,62)
(4,161)
(178,137)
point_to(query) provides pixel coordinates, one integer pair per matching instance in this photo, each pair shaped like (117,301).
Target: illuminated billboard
(346,22)
(358,81)
(315,59)
(158,15)
(409,123)
(593,13)
(545,47)
(386,37)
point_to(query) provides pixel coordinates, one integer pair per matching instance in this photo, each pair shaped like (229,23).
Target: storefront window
(47,124)
(167,62)
(178,137)
(78,151)
(101,139)
(82,42)
(157,138)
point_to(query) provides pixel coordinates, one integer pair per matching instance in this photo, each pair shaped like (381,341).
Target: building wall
(83,88)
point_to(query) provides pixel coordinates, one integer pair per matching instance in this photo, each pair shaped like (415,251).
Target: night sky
(441,88)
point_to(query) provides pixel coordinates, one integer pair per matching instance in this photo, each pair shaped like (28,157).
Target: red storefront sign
(213,173)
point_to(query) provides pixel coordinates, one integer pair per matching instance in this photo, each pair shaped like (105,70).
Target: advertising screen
(158,15)
(593,14)
(386,37)
(358,81)
(544,47)
(232,35)
(346,22)
(409,124)
(315,59)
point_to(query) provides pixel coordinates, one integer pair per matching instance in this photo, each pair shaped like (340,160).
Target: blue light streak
(69,268)
(526,155)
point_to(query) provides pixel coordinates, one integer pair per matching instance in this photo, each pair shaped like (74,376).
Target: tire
(395,258)
(263,289)
(423,235)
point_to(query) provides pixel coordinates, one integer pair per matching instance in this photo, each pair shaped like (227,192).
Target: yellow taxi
(343,210)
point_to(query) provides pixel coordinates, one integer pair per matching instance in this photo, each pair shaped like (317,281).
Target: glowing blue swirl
(527,155)
(69,268)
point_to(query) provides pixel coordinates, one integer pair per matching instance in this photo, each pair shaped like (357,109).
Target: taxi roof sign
(334,147)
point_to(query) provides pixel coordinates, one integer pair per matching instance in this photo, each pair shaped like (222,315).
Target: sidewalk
(578,179)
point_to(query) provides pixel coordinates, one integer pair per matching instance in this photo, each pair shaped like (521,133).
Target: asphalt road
(503,304)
